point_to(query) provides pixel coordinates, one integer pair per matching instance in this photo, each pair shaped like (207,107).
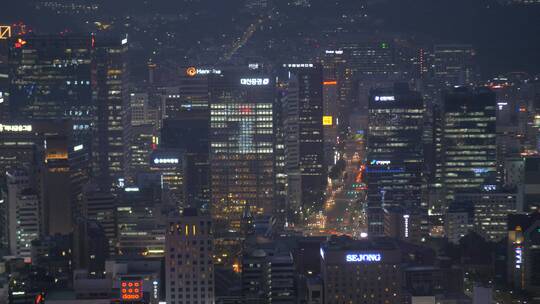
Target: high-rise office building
(374,58)
(304,143)
(99,209)
(394,152)
(167,164)
(528,189)
(188,132)
(140,140)
(455,64)
(491,208)
(17,145)
(140,223)
(523,251)
(366,271)
(268,275)
(51,78)
(189,274)
(466,158)
(241,151)
(24,216)
(111,100)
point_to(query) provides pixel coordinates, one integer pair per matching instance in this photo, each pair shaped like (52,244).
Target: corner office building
(366,271)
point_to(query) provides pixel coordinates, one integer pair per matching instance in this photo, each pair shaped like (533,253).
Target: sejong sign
(363,257)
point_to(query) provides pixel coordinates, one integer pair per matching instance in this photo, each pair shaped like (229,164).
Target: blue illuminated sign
(363,257)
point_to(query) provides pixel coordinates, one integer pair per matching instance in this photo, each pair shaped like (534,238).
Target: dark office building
(523,251)
(304,143)
(394,152)
(51,77)
(110,93)
(188,132)
(467,152)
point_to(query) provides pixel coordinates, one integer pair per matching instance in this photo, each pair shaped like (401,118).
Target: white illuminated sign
(298,65)
(78,147)
(322,253)
(519,256)
(363,257)
(207,71)
(337,52)
(254,81)
(253,66)
(131,189)
(166,161)
(15,128)
(1,97)
(125,40)
(406,224)
(155,289)
(380,162)
(385,98)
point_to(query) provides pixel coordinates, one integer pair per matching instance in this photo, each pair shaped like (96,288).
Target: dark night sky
(507,37)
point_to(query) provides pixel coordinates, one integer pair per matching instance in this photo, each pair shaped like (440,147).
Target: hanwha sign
(191,71)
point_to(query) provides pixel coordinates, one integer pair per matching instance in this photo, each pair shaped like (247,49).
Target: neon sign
(166,161)
(131,290)
(19,43)
(254,81)
(363,257)
(385,98)
(78,147)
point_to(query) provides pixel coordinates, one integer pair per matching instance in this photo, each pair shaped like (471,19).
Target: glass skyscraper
(241,151)
(468,142)
(394,151)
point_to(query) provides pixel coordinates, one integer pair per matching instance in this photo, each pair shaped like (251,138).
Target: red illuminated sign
(20,42)
(131,290)
(39,299)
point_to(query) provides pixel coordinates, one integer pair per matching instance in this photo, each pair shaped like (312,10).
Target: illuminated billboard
(363,257)
(327,120)
(131,290)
